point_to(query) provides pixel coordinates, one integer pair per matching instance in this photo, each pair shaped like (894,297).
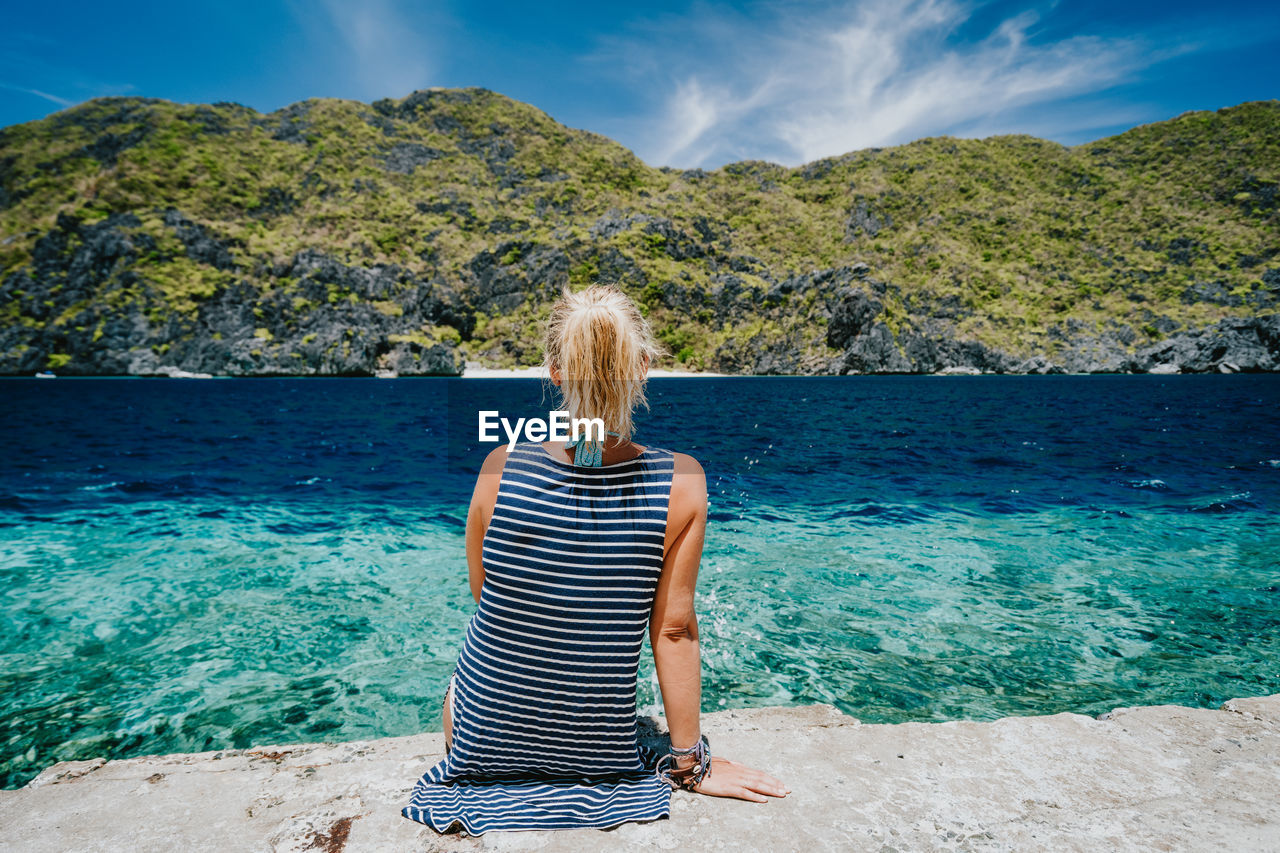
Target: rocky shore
(925,345)
(399,323)
(337,238)
(1149,778)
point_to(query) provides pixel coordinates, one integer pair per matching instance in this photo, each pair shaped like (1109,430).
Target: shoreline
(538,373)
(475,371)
(1135,778)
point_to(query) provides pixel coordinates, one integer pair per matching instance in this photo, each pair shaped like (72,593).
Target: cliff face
(1154,778)
(335,237)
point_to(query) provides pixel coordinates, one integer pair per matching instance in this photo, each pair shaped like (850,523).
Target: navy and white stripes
(544,725)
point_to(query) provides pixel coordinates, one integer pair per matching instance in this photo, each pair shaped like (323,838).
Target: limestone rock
(875,351)
(865,218)
(1250,345)
(853,316)
(1037,364)
(1149,778)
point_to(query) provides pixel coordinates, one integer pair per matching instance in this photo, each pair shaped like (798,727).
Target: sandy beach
(475,371)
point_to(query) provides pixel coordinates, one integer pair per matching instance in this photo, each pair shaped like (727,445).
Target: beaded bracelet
(690,777)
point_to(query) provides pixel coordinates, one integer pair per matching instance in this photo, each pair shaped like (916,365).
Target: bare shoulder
(689,482)
(686,464)
(494,462)
(487,480)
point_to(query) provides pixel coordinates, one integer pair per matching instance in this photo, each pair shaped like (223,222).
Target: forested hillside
(336,237)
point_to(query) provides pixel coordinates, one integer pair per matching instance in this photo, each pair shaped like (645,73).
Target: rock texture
(1150,778)
(353,319)
(334,237)
(234,327)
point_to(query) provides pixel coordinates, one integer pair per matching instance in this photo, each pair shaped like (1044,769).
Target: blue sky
(682,84)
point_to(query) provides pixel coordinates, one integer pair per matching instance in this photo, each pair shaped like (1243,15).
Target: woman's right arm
(673,634)
(483,498)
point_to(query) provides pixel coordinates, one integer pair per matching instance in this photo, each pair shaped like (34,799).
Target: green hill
(331,236)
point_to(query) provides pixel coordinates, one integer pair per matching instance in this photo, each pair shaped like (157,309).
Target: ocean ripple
(904,548)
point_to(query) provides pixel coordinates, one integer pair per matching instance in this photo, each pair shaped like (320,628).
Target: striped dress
(544,692)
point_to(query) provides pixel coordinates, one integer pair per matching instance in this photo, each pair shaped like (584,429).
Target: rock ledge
(1163,777)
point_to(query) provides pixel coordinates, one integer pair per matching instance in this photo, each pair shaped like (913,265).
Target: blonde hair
(601,344)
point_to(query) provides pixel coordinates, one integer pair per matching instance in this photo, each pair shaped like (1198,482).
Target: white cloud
(378,48)
(694,112)
(796,86)
(62,102)
(34,65)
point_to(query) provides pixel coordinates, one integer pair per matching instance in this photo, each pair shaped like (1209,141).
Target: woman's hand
(731,779)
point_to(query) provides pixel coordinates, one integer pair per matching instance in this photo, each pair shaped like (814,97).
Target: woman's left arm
(478,515)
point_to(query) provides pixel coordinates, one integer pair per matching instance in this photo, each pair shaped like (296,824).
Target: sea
(192,565)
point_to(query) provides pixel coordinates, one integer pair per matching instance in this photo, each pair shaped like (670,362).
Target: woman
(571,552)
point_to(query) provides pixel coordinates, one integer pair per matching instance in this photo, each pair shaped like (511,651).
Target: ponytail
(601,345)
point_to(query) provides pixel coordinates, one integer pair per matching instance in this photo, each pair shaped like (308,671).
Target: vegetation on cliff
(334,236)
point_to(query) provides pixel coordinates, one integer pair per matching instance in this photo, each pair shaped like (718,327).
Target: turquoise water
(193,565)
